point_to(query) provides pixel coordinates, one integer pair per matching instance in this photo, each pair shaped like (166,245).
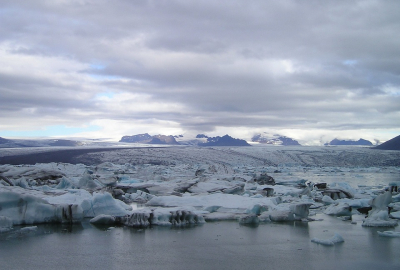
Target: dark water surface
(219,245)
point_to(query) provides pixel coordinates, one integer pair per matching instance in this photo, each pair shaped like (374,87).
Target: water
(215,245)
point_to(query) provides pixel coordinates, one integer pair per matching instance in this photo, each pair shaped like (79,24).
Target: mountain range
(224,141)
(275,139)
(199,140)
(148,139)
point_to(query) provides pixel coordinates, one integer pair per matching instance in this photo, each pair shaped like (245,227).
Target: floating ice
(21,207)
(28,229)
(87,181)
(395,215)
(103,219)
(163,217)
(338,209)
(104,203)
(287,212)
(327,199)
(337,238)
(379,215)
(249,219)
(389,234)
(5,224)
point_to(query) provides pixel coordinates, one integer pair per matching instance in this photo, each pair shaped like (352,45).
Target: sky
(311,70)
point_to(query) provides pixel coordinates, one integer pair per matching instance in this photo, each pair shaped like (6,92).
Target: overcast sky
(311,70)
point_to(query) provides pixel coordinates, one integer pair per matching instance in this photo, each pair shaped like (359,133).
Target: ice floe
(379,214)
(337,238)
(389,234)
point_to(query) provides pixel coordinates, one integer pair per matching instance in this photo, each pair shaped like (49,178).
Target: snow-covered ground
(191,185)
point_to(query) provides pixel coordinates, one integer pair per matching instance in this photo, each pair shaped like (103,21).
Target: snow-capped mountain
(275,139)
(148,139)
(224,141)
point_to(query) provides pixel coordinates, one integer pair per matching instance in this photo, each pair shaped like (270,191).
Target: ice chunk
(337,238)
(389,234)
(212,208)
(24,208)
(396,198)
(218,216)
(379,215)
(104,203)
(28,229)
(282,215)
(338,209)
(5,224)
(256,209)
(300,211)
(327,199)
(88,182)
(103,219)
(395,215)
(249,219)
(65,183)
(345,188)
(139,196)
(288,212)
(163,217)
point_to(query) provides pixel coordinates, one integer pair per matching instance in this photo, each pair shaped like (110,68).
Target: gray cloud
(273,64)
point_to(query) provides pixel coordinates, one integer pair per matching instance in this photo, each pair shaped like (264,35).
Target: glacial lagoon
(220,243)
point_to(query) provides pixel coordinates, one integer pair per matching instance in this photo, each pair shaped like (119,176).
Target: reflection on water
(214,245)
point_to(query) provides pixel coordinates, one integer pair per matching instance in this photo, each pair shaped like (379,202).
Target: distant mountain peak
(2,140)
(148,139)
(275,139)
(349,142)
(225,140)
(392,144)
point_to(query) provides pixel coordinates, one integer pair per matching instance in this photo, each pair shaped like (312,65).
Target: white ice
(379,215)
(337,238)
(389,234)
(214,183)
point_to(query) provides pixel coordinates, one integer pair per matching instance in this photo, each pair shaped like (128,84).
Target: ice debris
(163,217)
(389,234)
(338,209)
(103,220)
(337,238)
(379,215)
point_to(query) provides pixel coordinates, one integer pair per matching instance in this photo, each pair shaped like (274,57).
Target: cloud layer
(299,67)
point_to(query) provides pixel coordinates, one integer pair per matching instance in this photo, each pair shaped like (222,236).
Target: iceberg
(103,220)
(338,209)
(249,219)
(378,216)
(21,207)
(163,217)
(28,206)
(6,224)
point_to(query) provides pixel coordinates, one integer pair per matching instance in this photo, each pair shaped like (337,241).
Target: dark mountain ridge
(224,141)
(392,144)
(349,142)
